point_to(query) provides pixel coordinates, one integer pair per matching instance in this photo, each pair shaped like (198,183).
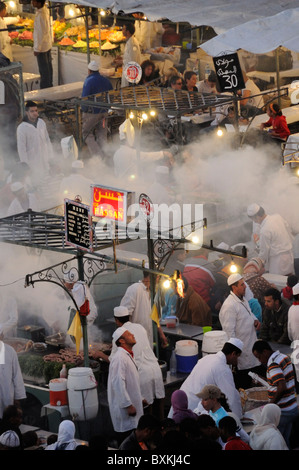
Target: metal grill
(159,98)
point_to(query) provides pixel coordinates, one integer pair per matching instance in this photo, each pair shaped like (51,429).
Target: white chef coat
(42,33)
(237,320)
(16,207)
(131,54)
(5,45)
(11,383)
(123,390)
(34,147)
(211,369)
(276,245)
(137,300)
(293,334)
(151,379)
(8,315)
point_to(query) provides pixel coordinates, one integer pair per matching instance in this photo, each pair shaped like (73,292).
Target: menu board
(78,225)
(229,72)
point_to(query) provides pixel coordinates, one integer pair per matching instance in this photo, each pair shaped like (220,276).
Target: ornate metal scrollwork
(163,249)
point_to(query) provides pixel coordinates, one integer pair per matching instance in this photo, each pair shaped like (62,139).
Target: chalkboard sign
(78,232)
(229,73)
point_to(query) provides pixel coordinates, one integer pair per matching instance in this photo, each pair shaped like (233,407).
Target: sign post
(230,76)
(78,225)
(229,72)
(147,208)
(78,233)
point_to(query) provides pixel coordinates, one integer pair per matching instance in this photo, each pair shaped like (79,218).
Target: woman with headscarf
(265,435)
(66,437)
(179,402)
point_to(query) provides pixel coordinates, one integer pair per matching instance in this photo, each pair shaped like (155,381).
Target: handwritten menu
(78,230)
(229,72)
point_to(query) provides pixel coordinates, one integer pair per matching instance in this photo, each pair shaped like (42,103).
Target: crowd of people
(206,410)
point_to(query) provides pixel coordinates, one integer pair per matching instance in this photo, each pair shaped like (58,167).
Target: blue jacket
(95,83)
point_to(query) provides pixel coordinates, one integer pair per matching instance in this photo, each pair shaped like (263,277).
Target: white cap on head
(236,342)
(118,333)
(234,278)
(295,289)
(10,439)
(121,311)
(253,209)
(15,187)
(93,66)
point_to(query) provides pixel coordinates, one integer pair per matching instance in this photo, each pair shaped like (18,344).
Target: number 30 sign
(229,73)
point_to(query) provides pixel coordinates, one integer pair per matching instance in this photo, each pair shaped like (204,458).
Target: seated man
(192,309)
(275,318)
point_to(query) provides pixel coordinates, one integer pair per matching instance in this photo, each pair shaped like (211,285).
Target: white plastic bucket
(82,393)
(186,352)
(58,392)
(213,342)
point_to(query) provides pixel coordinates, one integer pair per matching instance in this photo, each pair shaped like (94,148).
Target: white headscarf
(66,434)
(265,435)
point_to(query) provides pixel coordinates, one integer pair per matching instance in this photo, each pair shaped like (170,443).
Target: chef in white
(123,387)
(33,142)
(131,52)
(275,241)
(5,41)
(138,302)
(151,380)
(215,369)
(12,387)
(238,321)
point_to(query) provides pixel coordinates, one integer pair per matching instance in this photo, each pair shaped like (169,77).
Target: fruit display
(72,38)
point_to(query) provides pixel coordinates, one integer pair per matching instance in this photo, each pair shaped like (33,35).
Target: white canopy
(259,36)
(221,15)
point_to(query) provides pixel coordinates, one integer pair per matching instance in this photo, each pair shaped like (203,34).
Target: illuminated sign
(109,203)
(78,225)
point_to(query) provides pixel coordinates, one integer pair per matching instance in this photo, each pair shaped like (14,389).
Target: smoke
(211,169)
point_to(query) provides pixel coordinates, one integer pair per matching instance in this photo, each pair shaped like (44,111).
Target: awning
(258,36)
(219,14)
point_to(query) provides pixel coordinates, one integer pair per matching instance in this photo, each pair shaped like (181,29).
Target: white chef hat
(15,187)
(121,311)
(253,209)
(93,66)
(296,289)
(234,278)
(236,342)
(118,333)
(10,439)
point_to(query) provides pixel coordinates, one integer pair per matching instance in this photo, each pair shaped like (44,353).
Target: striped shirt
(279,368)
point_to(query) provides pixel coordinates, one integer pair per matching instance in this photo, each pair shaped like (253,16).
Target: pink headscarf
(179,401)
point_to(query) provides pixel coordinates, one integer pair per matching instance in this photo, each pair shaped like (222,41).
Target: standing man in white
(123,387)
(42,43)
(275,241)
(33,142)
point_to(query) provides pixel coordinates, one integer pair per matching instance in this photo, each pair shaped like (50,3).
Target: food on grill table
(71,356)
